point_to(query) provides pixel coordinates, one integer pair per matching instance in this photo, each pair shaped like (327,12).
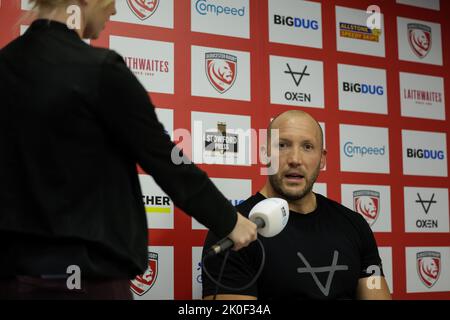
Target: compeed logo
(419,38)
(142,284)
(350,150)
(367,203)
(221,69)
(428,267)
(204,8)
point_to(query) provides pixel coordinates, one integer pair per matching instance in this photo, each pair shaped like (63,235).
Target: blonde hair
(56,3)
(37,5)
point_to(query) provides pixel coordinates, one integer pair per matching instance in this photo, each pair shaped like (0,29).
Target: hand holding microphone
(243,233)
(270,216)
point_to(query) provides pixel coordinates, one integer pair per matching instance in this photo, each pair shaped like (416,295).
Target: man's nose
(295,157)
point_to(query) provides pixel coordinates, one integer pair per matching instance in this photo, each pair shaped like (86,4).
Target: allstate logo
(351,150)
(204,8)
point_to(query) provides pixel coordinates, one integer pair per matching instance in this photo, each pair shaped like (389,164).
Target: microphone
(270,216)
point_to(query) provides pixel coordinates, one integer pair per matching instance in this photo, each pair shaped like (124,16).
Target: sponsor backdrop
(374,73)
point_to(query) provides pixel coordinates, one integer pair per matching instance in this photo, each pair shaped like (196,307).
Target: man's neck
(305,205)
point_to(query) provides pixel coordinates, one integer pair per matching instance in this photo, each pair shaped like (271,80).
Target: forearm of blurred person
(125,109)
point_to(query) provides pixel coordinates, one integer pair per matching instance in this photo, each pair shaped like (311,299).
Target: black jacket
(74,121)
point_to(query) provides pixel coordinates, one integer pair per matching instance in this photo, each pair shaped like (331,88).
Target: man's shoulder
(337,207)
(339,210)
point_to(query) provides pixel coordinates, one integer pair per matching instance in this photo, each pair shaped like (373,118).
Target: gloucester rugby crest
(419,37)
(142,284)
(367,203)
(428,267)
(143,9)
(221,69)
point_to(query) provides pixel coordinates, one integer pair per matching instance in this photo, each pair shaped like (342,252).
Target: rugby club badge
(221,69)
(419,37)
(429,267)
(141,284)
(143,9)
(367,203)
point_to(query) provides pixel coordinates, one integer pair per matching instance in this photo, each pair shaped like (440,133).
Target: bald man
(326,251)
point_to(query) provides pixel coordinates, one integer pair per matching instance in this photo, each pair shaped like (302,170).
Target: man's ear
(323,159)
(264,154)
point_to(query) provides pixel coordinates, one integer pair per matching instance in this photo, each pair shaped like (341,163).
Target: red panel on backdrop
(261,106)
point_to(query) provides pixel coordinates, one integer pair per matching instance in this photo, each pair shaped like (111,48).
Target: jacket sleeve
(129,116)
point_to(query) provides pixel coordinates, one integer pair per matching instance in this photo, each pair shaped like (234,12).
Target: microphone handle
(227,243)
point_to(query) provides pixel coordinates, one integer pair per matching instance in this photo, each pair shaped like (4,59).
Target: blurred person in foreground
(74,122)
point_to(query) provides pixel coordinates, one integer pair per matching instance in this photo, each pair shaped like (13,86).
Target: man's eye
(308,147)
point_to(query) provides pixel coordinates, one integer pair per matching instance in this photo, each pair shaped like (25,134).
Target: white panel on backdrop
(197,273)
(157,282)
(321,188)
(295,22)
(364,149)
(23,29)
(26,5)
(296,82)
(220,73)
(362,89)
(422,96)
(165,116)
(386,260)
(354,36)
(427,269)
(158,13)
(426,209)
(222,17)
(372,202)
(419,41)
(427,4)
(221,139)
(151,61)
(235,190)
(424,153)
(158,205)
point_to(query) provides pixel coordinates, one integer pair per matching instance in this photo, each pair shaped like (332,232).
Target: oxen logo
(143,9)
(141,284)
(221,70)
(419,37)
(367,203)
(429,267)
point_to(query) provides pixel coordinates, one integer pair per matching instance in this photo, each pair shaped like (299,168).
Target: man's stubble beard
(276,183)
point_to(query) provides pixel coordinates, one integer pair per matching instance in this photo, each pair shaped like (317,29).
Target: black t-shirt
(320,255)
